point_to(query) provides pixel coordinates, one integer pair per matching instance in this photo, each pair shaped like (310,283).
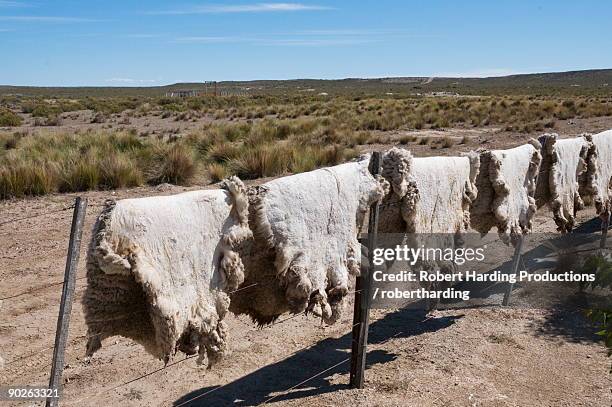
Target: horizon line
(447,76)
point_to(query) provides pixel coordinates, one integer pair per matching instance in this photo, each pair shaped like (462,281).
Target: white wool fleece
(444,192)
(600,171)
(311,220)
(567,160)
(433,196)
(506,190)
(178,250)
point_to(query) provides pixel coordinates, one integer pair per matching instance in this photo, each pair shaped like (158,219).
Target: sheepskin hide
(445,190)
(566,162)
(506,187)
(435,192)
(430,201)
(396,169)
(306,228)
(159,270)
(542,194)
(599,172)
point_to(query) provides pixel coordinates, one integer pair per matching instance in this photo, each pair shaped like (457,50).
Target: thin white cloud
(322,37)
(284,41)
(46,19)
(212,39)
(13,4)
(355,31)
(366,32)
(319,42)
(131,80)
(245,8)
(143,35)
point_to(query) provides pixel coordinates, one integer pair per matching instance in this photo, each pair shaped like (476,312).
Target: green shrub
(9,119)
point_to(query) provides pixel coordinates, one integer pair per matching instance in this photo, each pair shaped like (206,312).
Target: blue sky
(137,43)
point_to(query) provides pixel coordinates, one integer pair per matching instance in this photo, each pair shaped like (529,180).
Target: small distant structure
(210,88)
(183,93)
(442,93)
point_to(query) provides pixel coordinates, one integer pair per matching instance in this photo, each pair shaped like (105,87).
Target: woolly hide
(435,192)
(306,228)
(566,161)
(159,270)
(445,190)
(542,194)
(599,173)
(506,187)
(430,202)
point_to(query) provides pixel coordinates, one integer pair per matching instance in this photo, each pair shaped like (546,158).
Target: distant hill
(596,82)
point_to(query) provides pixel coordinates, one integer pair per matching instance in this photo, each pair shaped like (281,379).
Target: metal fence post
(63,319)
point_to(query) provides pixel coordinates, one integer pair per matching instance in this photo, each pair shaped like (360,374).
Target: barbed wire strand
(33,290)
(76,339)
(117,318)
(36,216)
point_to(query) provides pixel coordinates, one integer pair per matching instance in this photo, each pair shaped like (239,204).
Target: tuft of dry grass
(447,142)
(217,172)
(223,152)
(263,160)
(79,174)
(118,171)
(174,165)
(407,138)
(9,141)
(27,178)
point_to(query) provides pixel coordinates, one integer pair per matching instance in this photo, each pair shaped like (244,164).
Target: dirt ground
(482,356)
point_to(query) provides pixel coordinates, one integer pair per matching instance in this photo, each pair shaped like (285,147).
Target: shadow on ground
(567,320)
(309,371)
(266,382)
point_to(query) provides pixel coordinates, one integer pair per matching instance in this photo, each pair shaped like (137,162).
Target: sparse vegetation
(602,316)
(448,142)
(9,119)
(258,135)
(37,165)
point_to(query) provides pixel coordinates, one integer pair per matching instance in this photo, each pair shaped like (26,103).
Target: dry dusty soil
(522,355)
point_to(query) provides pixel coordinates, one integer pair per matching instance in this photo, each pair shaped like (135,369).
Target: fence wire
(36,216)
(153,372)
(34,290)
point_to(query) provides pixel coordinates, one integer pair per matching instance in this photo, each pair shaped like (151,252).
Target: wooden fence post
(63,319)
(361,310)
